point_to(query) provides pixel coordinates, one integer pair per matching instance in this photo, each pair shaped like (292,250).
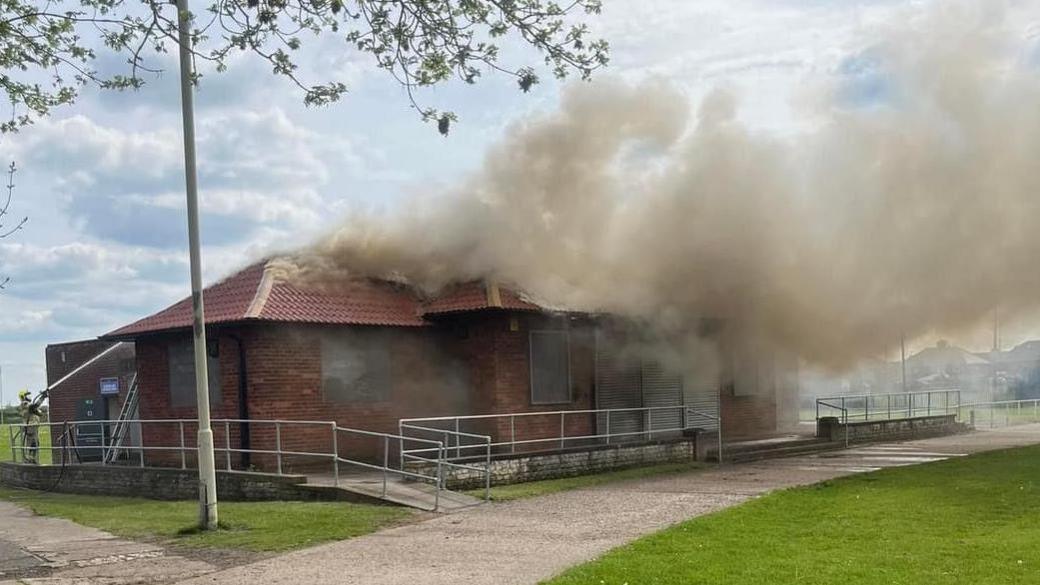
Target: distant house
(945,366)
(371,352)
(1018,370)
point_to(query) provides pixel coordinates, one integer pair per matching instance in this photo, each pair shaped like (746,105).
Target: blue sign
(109,386)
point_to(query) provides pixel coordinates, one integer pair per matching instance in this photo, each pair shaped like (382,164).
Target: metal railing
(669,420)
(481,447)
(1002,413)
(718,423)
(867,407)
(844,417)
(100,449)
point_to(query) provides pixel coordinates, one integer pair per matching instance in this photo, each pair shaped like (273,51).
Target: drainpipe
(243,404)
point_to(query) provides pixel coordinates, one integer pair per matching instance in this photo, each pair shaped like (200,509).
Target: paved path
(36,549)
(526,541)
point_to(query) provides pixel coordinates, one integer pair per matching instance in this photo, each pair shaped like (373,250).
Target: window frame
(214,374)
(530,365)
(385,346)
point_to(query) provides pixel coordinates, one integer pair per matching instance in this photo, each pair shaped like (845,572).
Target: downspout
(243,404)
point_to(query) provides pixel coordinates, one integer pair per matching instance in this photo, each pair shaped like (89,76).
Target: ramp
(414,494)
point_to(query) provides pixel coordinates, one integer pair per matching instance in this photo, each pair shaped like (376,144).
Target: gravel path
(526,541)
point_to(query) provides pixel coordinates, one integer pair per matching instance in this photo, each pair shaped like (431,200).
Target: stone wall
(159,483)
(566,463)
(891,430)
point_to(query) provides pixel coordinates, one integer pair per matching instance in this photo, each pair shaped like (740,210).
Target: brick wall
(119,363)
(470,363)
(759,390)
(747,416)
(497,346)
(430,377)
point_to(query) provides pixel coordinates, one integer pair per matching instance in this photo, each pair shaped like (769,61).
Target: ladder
(122,427)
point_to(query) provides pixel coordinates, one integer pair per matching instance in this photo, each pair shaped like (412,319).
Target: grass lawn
(254,526)
(965,521)
(540,488)
(5,443)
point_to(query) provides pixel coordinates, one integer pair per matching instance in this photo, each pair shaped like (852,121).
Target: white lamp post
(207,470)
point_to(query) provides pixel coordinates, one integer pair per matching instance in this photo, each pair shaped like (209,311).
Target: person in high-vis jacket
(30,412)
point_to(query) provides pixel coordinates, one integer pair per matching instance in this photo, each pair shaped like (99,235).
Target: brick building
(94,369)
(372,352)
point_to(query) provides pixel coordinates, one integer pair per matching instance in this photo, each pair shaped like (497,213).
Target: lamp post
(207,470)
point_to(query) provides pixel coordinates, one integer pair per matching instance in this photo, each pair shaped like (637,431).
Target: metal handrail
(858,396)
(713,417)
(539,413)
(911,404)
(109,452)
(1000,404)
(422,425)
(486,444)
(844,418)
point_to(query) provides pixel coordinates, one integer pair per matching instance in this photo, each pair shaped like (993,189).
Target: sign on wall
(109,386)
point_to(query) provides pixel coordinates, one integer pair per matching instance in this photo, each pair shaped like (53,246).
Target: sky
(102,180)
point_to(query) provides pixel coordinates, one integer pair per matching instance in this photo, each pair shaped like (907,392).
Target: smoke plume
(912,212)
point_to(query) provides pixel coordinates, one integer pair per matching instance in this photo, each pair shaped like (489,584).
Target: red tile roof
(474,296)
(365,302)
(225,301)
(256,293)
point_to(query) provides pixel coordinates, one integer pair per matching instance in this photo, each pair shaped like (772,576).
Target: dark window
(752,373)
(550,367)
(355,366)
(181,356)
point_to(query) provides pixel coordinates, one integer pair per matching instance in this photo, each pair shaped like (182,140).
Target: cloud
(70,271)
(255,169)
(23,320)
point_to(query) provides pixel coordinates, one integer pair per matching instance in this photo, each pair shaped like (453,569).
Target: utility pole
(207,470)
(902,354)
(2,404)
(996,330)
(994,356)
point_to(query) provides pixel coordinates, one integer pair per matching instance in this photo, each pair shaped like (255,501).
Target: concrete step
(770,443)
(775,451)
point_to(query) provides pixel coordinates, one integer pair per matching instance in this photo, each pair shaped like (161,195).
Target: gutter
(243,404)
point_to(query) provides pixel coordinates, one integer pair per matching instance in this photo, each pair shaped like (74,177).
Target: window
(355,366)
(181,359)
(550,367)
(753,372)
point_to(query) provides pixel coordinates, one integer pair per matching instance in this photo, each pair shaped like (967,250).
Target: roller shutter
(617,386)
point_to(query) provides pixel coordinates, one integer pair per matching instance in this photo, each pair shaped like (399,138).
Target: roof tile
(251,294)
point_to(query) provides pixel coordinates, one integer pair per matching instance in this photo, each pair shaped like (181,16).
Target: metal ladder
(122,426)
